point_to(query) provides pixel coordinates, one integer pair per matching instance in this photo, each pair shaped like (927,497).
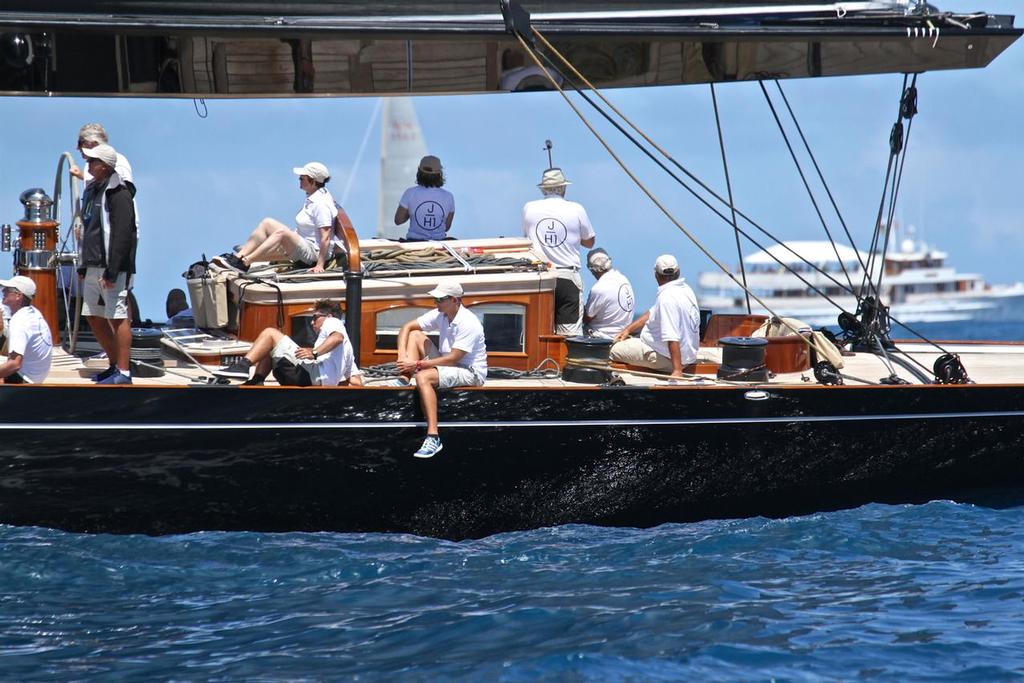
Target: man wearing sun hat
(557,228)
(459,360)
(109,242)
(670,330)
(30,346)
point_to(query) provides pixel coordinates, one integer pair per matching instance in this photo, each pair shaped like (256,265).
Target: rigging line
(821,176)
(685,171)
(868,280)
(896,187)
(359,154)
(803,178)
(689,189)
(728,187)
(650,195)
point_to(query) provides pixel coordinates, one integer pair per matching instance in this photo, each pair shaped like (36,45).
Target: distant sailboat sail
(401,148)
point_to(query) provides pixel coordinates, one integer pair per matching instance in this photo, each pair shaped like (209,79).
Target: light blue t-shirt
(429,208)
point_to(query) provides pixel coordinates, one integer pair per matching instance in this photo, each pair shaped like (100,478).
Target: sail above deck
(241,48)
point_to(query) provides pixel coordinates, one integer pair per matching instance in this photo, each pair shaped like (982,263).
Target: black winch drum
(592,350)
(743,359)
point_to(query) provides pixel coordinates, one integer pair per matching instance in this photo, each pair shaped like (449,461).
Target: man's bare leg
(104,334)
(121,335)
(426,384)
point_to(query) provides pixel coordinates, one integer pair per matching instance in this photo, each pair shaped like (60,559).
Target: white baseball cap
(446,288)
(666,265)
(314,170)
(599,260)
(21,283)
(103,152)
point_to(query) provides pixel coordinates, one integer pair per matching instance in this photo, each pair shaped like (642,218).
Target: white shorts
(304,252)
(449,376)
(285,350)
(98,302)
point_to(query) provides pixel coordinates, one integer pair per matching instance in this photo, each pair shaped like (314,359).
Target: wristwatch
(315,355)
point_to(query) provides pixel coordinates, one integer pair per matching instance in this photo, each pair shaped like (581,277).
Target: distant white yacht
(917,284)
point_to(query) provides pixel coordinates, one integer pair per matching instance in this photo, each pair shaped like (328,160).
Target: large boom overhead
(289,48)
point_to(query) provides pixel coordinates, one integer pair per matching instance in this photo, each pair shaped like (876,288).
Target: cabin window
(389,322)
(504,326)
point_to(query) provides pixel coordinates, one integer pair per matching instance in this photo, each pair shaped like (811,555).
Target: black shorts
(288,374)
(567,302)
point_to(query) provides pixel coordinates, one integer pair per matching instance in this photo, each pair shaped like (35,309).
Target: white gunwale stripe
(243,426)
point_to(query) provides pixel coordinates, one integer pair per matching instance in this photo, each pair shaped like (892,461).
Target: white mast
(401,148)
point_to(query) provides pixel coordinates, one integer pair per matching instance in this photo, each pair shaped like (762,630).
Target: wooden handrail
(344,229)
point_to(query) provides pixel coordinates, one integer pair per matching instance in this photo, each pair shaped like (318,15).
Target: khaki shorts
(98,302)
(304,252)
(635,352)
(449,376)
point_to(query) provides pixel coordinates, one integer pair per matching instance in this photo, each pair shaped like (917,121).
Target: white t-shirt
(674,317)
(318,211)
(610,304)
(29,337)
(429,208)
(556,227)
(464,333)
(339,364)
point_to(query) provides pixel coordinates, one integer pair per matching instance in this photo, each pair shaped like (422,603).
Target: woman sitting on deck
(428,207)
(312,241)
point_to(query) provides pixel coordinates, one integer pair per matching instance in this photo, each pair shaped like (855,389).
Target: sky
(204,183)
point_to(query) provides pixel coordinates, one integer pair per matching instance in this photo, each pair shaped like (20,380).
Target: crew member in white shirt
(312,241)
(329,362)
(429,208)
(557,228)
(670,330)
(611,302)
(459,360)
(30,346)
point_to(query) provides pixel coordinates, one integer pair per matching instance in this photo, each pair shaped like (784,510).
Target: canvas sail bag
(783,327)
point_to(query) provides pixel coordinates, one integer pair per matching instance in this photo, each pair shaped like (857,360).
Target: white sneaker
(431,447)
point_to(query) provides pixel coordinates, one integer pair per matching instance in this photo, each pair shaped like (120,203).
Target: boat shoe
(237,370)
(100,376)
(431,447)
(116,377)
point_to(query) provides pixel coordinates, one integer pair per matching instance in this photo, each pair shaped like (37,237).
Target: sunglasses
(441,300)
(317,316)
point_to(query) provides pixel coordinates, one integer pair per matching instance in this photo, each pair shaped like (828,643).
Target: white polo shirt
(557,226)
(29,337)
(674,317)
(339,364)
(610,304)
(318,211)
(429,208)
(464,333)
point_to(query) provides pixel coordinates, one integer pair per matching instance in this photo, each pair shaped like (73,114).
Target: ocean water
(925,592)
(931,592)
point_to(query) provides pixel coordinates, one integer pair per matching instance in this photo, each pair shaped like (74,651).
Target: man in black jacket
(109,239)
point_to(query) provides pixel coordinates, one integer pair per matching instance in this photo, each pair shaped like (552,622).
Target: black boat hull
(169,460)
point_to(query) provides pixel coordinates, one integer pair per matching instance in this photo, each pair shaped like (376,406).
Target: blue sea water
(931,592)
(925,592)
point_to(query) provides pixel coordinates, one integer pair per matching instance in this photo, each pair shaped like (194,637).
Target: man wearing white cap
(459,360)
(429,208)
(611,302)
(670,334)
(109,241)
(557,228)
(30,346)
(313,240)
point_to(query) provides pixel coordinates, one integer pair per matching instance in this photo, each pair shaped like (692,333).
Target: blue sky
(205,183)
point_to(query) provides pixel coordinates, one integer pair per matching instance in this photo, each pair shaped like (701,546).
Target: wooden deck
(995,363)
